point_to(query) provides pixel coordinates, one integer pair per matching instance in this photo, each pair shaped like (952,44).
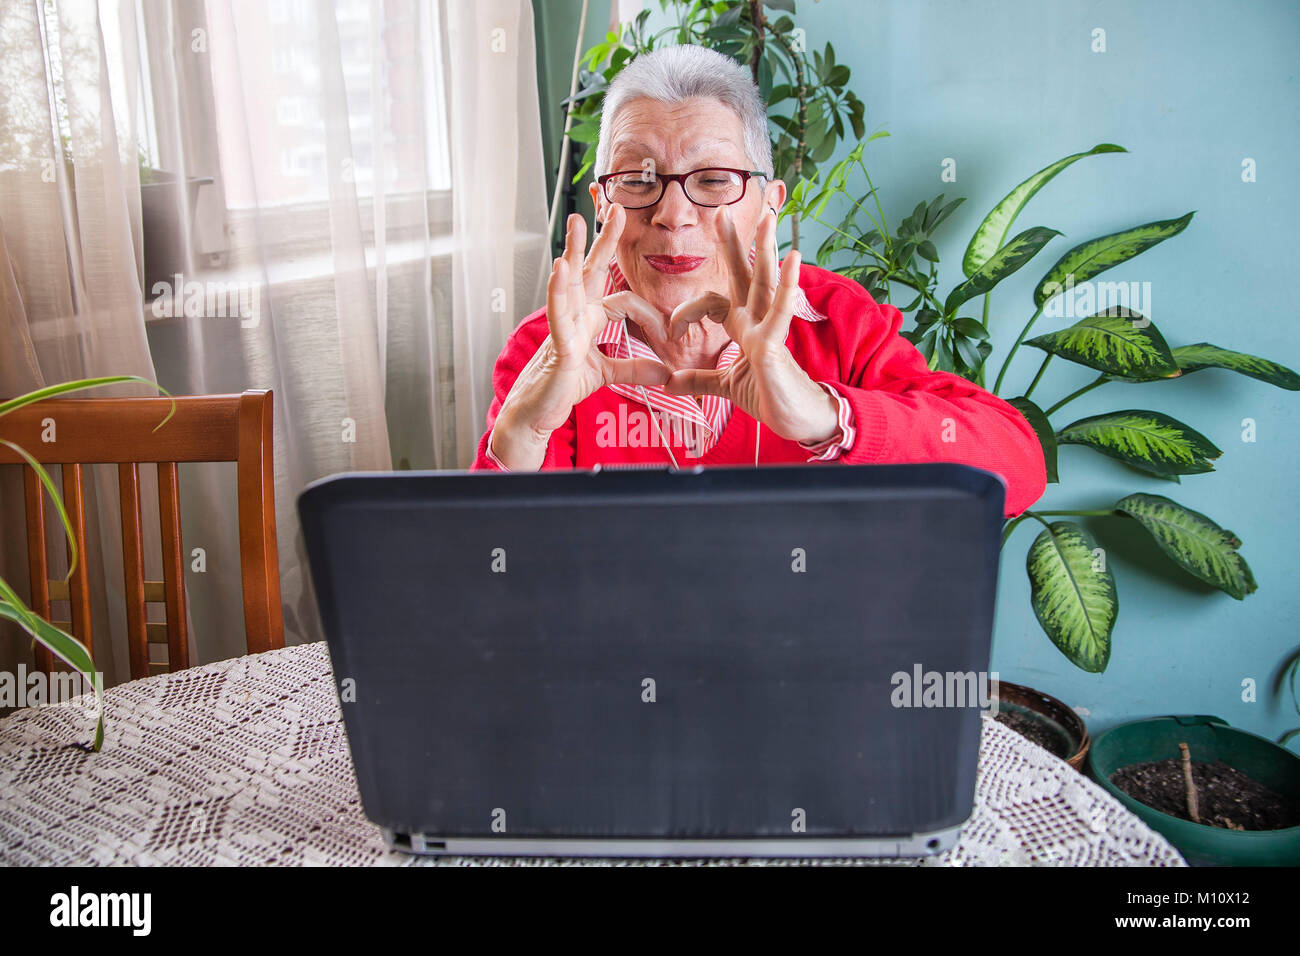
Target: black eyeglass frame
(666,178)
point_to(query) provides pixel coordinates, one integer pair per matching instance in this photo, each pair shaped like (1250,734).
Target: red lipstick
(675,265)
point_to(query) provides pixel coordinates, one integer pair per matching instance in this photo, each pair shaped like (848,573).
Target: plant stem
(1011,525)
(884,226)
(1101,380)
(1012,354)
(856,242)
(760,27)
(1041,369)
(979,379)
(1038,516)
(845,192)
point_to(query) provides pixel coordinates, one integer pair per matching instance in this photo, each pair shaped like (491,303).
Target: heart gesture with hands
(568,366)
(764,380)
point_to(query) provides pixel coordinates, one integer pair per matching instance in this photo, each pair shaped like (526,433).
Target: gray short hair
(676,73)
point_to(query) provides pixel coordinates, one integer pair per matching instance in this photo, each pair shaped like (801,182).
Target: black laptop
(699,662)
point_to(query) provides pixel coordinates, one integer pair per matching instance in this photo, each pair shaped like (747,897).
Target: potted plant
(59,642)
(167,206)
(1221,795)
(1073,591)
(1044,720)
(809,102)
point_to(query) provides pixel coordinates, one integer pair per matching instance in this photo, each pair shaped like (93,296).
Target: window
(288,110)
(288,78)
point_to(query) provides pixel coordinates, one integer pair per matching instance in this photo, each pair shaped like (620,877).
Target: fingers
(628,305)
(777,324)
(737,258)
(638,371)
(557,302)
(764,284)
(696,381)
(713,306)
(602,251)
(575,243)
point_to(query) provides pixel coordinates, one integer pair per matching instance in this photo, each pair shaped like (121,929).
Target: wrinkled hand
(765,380)
(567,366)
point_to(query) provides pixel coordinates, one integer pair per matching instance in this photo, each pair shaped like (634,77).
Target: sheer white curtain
(362,222)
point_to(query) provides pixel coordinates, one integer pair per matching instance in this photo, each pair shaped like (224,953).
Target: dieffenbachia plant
(59,642)
(1073,591)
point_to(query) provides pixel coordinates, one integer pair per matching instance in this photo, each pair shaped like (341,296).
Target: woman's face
(678,138)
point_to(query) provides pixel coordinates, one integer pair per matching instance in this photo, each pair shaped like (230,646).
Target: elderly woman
(680,340)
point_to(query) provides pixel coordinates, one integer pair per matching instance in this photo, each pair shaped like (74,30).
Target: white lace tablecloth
(245,762)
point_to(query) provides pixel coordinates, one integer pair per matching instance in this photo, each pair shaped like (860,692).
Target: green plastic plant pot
(1210,739)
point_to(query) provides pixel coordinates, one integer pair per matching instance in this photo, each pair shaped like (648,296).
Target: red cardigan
(902,411)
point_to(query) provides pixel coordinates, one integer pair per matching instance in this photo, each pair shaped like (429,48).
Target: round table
(245,762)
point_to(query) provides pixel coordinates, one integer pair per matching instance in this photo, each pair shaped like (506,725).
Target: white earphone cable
(627,346)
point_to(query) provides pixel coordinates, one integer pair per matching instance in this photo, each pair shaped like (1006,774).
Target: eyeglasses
(713,186)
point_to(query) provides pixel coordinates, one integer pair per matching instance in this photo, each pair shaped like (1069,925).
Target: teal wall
(1190,88)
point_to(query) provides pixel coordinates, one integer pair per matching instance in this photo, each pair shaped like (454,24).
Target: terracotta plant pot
(1058,721)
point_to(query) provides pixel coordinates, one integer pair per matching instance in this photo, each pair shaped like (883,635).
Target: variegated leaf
(1073,594)
(1001,264)
(1097,255)
(1119,341)
(995,228)
(1043,429)
(1149,441)
(1193,541)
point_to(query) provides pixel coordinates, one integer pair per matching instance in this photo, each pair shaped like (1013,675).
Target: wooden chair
(121,430)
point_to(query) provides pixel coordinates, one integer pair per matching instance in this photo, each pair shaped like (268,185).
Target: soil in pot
(1038,729)
(1226,797)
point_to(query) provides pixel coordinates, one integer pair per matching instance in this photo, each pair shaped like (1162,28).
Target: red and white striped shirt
(704,420)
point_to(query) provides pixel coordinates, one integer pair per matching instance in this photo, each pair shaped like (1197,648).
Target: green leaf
(857,110)
(971,328)
(968,353)
(1002,264)
(588,131)
(1096,256)
(937,215)
(64,646)
(926,250)
(1149,441)
(1043,429)
(995,228)
(824,149)
(786,5)
(730,17)
(1193,541)
(1073,594)
(942,359)
(48,483)
(73,386)
(765,80)
(1119,342)
(1193,358)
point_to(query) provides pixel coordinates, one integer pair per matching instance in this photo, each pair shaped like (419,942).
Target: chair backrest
(121,430)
